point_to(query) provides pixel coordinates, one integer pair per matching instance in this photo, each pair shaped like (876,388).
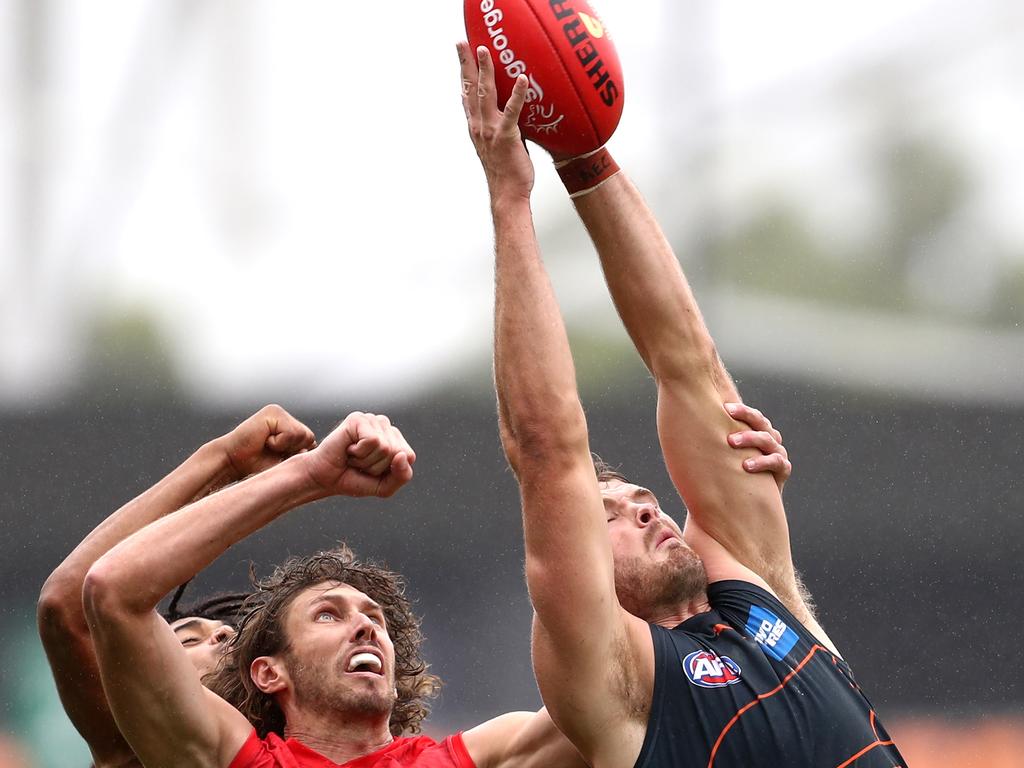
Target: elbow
(103,596)
(687,366)
(59,608)
(546,436)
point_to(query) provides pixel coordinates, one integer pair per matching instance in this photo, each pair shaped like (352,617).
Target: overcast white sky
(289,187)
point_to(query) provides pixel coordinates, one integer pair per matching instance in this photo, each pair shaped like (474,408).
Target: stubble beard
(645,588)
(318,690)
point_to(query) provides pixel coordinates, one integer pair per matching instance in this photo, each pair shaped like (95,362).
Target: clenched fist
(365,455)
(265,439)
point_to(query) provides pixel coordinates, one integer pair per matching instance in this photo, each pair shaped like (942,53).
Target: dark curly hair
(223,606)
(261,632)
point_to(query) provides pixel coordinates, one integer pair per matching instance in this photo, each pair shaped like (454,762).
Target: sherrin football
(575,94)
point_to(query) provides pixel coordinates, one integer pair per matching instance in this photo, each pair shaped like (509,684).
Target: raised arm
(261,441)
(737,523)
(585,644)
(159,705)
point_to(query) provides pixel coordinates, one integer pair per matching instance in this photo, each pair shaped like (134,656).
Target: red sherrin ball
(574,101)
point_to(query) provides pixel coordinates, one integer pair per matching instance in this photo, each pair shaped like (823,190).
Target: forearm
(136,574)
(657,305)
(534,374)
(649,288)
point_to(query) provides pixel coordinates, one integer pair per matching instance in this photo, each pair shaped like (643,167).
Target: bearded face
(644,586)
(322,685)
(340,658)
(654,568)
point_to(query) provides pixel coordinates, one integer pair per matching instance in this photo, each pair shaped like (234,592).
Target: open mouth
(365,661)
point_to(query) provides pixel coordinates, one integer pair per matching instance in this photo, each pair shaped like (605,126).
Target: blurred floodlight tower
(81,163)
(78,173)
(687,128)
(234,179)
(28,321)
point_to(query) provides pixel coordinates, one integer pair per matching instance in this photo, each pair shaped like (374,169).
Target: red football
(574,101)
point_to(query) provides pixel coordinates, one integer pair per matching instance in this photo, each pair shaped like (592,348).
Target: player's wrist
(215,457)
(313,476)
(585,173)
(510,202)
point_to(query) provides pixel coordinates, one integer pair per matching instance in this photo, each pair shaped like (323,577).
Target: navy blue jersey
(746,685)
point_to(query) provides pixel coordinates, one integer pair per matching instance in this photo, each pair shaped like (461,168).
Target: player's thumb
(398,475)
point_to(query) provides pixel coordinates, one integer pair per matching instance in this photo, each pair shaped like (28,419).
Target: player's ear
(269,673)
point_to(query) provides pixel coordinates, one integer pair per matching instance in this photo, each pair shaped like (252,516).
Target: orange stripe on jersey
(876,743)
(761,697)
(864,751)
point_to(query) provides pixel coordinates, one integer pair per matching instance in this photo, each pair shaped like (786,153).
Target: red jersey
(421,751)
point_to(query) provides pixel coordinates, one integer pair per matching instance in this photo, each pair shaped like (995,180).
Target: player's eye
(187,641)
(325,616)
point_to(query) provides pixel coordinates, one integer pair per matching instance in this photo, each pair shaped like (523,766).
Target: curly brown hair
(261,632)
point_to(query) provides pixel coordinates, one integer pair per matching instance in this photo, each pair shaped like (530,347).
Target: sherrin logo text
(709,670)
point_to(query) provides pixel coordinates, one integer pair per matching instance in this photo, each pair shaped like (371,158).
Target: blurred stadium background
(207,205)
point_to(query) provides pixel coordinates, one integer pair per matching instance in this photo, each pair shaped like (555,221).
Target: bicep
(157,700)
(599,696)
(580,629)
(521,740)
(569,567)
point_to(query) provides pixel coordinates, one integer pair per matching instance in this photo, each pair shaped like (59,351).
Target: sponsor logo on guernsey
(709,670)
(773,634)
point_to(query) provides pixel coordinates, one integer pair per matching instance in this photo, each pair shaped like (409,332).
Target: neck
(340,737)
(669,616)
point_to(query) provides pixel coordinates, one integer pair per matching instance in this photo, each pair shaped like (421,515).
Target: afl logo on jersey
(709,670)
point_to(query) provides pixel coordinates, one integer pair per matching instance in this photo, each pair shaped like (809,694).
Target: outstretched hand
(495,132)
(765,438)
(265,439)
(365,455)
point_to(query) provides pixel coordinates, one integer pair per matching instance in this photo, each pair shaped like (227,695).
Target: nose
(646,514)
(365,628)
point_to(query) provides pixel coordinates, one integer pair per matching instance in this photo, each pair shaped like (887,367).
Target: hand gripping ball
(575,94)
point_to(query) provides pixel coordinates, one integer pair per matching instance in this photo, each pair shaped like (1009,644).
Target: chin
(374,701)
(644,586)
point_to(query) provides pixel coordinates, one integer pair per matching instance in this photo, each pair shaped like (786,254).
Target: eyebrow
(190,624)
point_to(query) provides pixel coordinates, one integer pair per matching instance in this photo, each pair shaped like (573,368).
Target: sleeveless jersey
(746,685)
(421,751)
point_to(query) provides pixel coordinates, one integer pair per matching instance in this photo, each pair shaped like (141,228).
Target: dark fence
(906,523)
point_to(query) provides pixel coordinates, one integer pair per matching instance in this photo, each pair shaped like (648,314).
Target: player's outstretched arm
(531,739)
(261,441)
(737,522)
(157,700)
(583,641)
(521,740)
